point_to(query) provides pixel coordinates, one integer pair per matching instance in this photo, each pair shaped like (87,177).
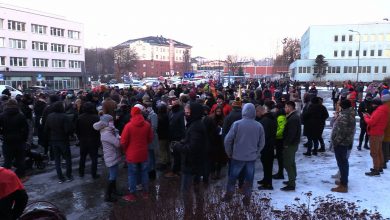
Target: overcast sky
(215,28)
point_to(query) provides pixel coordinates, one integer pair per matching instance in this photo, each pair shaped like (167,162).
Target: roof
(155,40)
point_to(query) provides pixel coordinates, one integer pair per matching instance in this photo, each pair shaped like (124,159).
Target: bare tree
(187,61)
(291,52)
(125,60)
(232,64)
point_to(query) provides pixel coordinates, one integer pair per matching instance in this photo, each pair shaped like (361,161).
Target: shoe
(171,175)
(373,173)
(61,180)
(266,187)
(366,147)
(145,195)
(385,166)
(70,179)
(246,200)
(129,197)
(227,197)
(260,182)
(96,176)
(321,150)
(359,148)
(288,188)
(307,154)
(278,177)
(314,153)
(336,176)
(285,182)
(380,171)
(337,182)
(108,195)
(340,189)
(139,187)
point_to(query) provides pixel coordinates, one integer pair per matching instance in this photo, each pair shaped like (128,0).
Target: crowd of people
(192,132)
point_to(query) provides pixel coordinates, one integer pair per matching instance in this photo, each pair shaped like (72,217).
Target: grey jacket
(246,137)
(110,143)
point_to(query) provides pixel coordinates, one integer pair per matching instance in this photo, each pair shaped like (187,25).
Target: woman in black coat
(314,120)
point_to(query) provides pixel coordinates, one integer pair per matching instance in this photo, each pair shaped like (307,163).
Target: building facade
(40,48)
(353,52)
(159,56)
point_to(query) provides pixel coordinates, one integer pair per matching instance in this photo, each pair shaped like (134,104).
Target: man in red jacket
(376,125)
(221,102)
(135,138)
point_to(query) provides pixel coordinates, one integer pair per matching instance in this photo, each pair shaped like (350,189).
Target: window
(37,62)
(364,69)
(376,69)
(335,53)
(345,69)
(74,34)
(343,38)
(364,53)
(350,53)
(2,44)
(58,63)
(156,57)
(372,53)
(354,69)
(57,32)
(350,69)
(16,25)
(1,23)
(74,64)
(58,48)
(17,44)
(308,69)
(300,70)
(2,61)
(379,53)
(350,37)
(357,53)
(384,69)
(336,38)
(368,69)
(343,53)
(18,61)
(73,49)
(338,69)
(38,29)
(41,46)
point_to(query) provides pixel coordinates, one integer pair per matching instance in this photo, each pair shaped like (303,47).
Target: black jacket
(85,131)
(314,120)
(176,124)
(270,126)
(13,126)
(163,126)
(233,116)
(292,130)
(58,127)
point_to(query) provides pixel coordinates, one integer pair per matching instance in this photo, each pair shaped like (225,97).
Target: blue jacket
(246,137)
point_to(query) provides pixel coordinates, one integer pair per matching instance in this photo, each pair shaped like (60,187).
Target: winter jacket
(135,138)
(246,137)
(85,131)
(344,128)
(364,107)
(281,120)
(9,183)
(110,143)
(216,149)
(387,130)
(292,130)
(377,122)
(226,109)
(233,116)
(163,127)
(153,120)
(269,123)
(13,126)
(58,126)
(314,120)
(176,124)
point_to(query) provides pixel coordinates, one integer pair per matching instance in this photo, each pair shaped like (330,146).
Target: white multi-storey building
(37,46)
(345,47)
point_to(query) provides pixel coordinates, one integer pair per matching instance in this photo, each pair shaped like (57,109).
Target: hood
(249,111)
(136,117)
(196,111)
(100,125)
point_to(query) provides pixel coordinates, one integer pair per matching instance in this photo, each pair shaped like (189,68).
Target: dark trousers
(62,150)
(342,163)
(15,152)
(322,143)
(279,155)
(176,166)
(312,141)
(363,133)
(267,159)
(12,206)
(92,151)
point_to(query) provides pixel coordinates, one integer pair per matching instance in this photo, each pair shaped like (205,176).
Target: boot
(373,173)
(359,147)
(114,190)
(340,188)
(108,196)
(366,147)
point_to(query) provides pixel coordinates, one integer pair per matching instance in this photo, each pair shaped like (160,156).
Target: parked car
(14,92)
(35,90)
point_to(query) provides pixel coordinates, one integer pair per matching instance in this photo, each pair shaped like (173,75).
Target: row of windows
(40,29)
(40,46)
(363,37)
(350,53)
(347,69)
(40,62)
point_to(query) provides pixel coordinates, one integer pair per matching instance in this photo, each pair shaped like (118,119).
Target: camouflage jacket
(344,128)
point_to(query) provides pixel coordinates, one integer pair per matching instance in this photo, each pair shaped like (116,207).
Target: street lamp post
(358,67)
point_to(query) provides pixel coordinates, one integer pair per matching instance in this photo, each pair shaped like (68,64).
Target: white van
(14,92)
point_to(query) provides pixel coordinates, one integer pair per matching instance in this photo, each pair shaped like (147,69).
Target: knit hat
(106,118)
(386,98)
(141,107)
(146,100)
(237,103)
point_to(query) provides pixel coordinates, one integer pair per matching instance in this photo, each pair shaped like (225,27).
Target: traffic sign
(1,77)
(39,77)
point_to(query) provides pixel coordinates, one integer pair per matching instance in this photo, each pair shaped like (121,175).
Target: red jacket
(377,122)
(9,182)
(226,109)
(135,137)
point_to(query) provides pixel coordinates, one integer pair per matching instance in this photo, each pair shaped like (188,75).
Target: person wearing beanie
(14,127)
(109,138)
(135,138)
(221,102)
(342,140)
(376,125)
(364,107)
(89,138)
(152,118)
(386,139)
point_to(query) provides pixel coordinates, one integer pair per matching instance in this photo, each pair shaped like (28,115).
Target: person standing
(342,140)
(39,107)
(221,102)
(281,120)
(14,128)
(364,107)
(243,144)
(376,124)
(57,129)
(291,136)
(135,138)
(335,97)
(89,138)
(386,139)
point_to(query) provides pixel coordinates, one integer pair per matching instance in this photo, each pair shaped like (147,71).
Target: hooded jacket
(135,137)
(110,143)
(234,115)
(377,122)
(246,137)
(9,183)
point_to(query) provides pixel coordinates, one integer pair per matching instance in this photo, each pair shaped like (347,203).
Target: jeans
(312,141)
(341,154)
(17,152)
(61,149)
(113,172)
(236,166)
(133,171)
(92,151)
